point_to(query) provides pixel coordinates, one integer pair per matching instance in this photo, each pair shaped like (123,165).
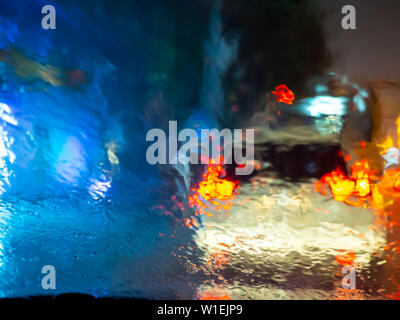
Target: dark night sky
(372,52)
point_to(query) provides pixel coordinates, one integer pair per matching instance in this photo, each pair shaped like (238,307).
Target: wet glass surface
(77,193)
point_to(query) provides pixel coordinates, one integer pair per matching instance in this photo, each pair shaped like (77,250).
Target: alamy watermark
(349,20)
(49,280)
(49,20)
(194,150)
(349,281)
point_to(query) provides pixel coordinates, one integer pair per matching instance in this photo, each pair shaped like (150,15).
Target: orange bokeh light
(283,94)
(213,189)
(358,184)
